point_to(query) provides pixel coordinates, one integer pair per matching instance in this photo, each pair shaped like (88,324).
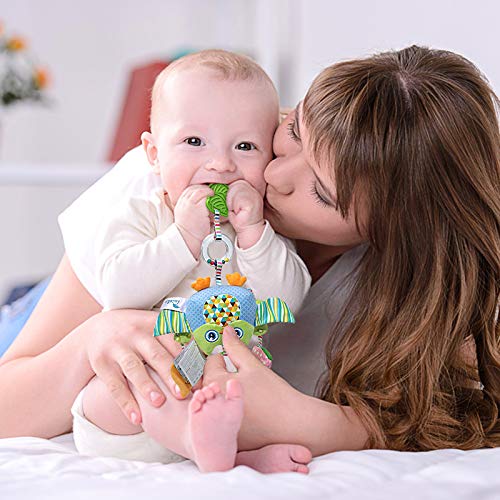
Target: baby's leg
(203,428)
(100,408)
(166,425)
(210,436)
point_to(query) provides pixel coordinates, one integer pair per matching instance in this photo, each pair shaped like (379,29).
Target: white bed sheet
(33,468)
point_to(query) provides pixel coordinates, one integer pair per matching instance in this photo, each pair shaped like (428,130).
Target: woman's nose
(277,177)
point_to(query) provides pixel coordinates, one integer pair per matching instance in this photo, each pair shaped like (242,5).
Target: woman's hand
(275,412)
(119,344)
(268,398)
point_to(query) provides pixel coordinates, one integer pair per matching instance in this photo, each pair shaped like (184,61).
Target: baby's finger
(134,370)
(240,192)
(121,393)
(201,194)
(195,189)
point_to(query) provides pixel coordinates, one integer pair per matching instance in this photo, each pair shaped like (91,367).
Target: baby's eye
(194,141)
(245,146)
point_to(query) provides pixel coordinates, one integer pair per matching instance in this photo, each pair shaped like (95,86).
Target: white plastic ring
(209,240)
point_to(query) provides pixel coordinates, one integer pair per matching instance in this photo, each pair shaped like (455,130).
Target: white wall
(90,45)
(337,30)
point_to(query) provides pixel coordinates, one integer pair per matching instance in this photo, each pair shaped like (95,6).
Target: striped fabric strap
(171,322)
(273,310)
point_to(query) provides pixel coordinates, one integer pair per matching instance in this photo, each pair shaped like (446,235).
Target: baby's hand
(246,213)
(192,217)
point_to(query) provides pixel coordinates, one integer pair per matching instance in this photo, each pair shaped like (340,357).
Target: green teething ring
(218,200)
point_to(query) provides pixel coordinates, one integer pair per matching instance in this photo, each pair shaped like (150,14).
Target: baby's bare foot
(214,422)
(277,458)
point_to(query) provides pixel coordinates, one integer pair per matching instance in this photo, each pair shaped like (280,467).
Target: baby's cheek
(176,175)
(174,187)
(256,179)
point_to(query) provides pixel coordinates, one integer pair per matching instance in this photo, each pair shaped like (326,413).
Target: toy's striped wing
(273,310)
(171,322)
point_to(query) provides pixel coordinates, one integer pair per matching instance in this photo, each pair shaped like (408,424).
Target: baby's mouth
(208,183)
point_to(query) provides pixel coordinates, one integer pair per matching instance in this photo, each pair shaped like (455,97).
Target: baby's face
(213,130)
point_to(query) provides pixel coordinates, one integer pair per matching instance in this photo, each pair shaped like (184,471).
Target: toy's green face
(243,329)
(209,335)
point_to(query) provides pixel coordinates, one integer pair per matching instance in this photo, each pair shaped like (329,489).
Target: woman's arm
(67,341)
(275,412)
(44,368)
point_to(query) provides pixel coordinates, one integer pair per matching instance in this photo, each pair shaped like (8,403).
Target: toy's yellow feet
(236,279)
(201,284)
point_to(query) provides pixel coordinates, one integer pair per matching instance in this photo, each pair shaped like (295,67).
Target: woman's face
(300,196)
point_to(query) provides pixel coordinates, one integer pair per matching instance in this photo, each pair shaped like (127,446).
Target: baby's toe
(215,387)
(195,405)
(208,392)
(233,389)
(300,454)
(199,395)
(302,469)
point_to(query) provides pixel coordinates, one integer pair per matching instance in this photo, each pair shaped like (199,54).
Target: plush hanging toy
(197,322)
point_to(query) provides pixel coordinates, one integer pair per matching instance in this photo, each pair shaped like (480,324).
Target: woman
(388,176)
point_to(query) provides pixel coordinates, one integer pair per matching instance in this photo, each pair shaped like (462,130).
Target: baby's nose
(221,164)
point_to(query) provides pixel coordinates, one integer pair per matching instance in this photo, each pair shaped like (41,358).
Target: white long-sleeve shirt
(142,259)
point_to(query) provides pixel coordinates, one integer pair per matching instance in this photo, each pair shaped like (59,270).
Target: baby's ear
(149,146)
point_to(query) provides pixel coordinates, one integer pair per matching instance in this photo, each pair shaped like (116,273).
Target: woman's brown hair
(413,136)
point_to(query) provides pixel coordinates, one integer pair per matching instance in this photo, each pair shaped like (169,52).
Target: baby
(213,117)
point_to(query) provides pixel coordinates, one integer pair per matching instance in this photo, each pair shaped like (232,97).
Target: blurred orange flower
(40,78)
(21,78)
(15,44)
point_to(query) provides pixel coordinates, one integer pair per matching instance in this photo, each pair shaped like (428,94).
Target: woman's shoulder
(344,268)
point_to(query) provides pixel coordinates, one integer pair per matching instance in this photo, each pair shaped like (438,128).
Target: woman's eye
(245,146)
(291,131)
(212,336)
(319,198)
(193,141)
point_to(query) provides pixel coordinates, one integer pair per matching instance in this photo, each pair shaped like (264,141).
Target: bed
(51,469)
(42,469)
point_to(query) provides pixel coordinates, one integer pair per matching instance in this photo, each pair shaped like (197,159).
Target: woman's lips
(267,204)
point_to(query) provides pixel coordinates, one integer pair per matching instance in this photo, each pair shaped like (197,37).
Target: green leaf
(218,200)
